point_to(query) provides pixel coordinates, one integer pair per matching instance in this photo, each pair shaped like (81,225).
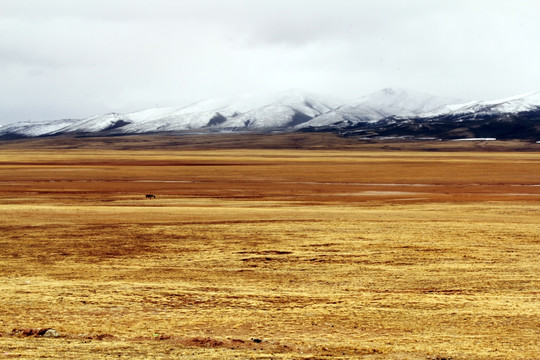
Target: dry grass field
(268,254)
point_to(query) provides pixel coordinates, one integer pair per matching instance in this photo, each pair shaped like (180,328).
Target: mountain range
(388,113)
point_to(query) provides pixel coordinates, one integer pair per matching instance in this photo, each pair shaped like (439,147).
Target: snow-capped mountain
(404,102)
(381,104)
(516,117)
(253,111)
(388,112)
(513,104)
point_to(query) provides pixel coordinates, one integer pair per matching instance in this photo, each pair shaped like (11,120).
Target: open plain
(337,252)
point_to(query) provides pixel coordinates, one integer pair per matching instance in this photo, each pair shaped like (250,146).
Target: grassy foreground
(269,254)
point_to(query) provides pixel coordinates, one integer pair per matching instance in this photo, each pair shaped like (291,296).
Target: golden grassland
(269,254)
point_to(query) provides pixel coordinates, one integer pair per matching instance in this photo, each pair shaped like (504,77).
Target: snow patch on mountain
(514,104)
(245,111)
(287,110)
(283,109)
(379,105)
(36,128)
(93,124)
(394,101)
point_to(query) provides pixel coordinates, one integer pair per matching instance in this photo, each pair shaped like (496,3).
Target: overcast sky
(76,58)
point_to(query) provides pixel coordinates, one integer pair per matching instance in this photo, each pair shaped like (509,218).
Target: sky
(78,58)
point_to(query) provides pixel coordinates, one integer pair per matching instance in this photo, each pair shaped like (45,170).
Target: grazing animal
(150,196)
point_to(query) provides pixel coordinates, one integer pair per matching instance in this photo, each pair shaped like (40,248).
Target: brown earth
(311,141)
(347,250)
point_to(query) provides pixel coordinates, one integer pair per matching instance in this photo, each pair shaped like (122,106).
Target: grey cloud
(78,58)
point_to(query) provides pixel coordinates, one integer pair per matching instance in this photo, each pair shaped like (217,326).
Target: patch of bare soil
(298,141)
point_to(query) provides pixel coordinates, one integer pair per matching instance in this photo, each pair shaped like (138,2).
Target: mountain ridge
(390,112)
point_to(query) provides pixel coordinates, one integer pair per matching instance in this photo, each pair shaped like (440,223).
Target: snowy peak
(516,117)
(35,128)
(395,101)
(379,105)
(509,105)
(283,111)
(245,111)
(514,104)
(245,103)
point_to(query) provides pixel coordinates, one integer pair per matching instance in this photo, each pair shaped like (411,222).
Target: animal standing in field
(150,196)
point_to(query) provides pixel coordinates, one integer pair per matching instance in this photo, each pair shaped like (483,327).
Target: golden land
(269,254)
